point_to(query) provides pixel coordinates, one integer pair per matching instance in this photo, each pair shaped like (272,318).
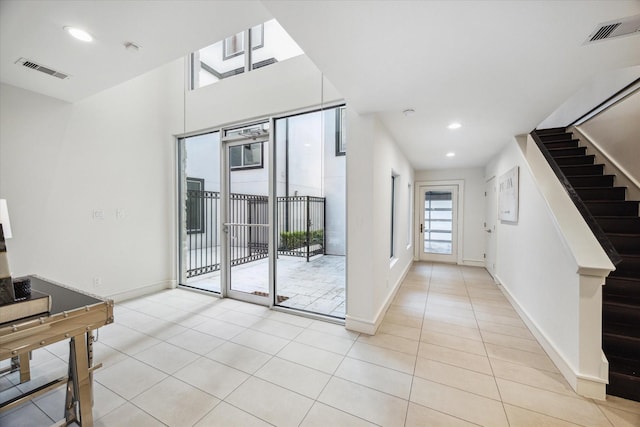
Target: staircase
(618,218)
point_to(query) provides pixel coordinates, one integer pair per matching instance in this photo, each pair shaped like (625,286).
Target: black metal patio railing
(300,228)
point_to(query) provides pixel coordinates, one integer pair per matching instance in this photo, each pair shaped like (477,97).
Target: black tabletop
(62,298)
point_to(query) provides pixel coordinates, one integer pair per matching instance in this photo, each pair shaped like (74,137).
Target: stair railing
(597,231)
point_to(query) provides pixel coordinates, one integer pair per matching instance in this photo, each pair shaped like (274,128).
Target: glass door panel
(439,223)
(438,217)
(200,253)
(310,213)
(247,216)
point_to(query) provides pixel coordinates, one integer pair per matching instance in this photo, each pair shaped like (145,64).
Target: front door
(439,223)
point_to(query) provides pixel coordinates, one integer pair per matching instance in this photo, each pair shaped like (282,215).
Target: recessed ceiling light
(454,125)
(79,34)
(451,154)
(409,112)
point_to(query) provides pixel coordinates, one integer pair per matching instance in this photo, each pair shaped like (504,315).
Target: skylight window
(269,43)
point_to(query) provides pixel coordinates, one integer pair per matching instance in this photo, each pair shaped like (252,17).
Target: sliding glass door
(262,212)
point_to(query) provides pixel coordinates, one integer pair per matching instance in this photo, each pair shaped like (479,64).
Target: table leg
(79,387)
(25,368)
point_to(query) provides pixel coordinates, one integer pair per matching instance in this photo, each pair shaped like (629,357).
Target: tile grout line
(417,356)
(528,385)
(415,362)
(332,375)
(493,374)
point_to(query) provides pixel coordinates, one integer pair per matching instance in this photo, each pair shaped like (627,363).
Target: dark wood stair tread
(623,365)
(616,224)
(572,170)
(624,384)
(612,207)
(567,151)
(622,332)
(558,136)
(587,159)
(550,130)
(563,143)
(591,180)
(588,194)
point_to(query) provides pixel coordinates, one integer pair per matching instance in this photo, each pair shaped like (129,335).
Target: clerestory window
(268,43)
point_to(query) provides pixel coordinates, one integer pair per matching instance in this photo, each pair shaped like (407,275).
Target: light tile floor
(450,352)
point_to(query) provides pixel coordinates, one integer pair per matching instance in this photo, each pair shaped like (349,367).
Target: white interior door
(438,212)
(491,209)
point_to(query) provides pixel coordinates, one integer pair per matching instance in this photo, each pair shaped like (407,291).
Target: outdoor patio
(316,286)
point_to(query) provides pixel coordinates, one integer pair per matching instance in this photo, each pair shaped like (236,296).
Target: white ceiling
(498,67)
(165,31)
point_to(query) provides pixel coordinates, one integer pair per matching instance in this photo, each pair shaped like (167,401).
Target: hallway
(450,352)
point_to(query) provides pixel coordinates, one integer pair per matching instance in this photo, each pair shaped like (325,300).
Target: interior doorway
(491,210)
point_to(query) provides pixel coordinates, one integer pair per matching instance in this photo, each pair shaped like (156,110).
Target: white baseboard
(585,386)
(473,262)
(145,290)
(370,326)
(362,326)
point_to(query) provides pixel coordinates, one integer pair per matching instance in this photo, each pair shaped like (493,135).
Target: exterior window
(247,156)
(195,205)
(234,45)
(269,43)
(341,141)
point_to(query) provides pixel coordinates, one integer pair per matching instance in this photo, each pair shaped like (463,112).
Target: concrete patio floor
(316,286)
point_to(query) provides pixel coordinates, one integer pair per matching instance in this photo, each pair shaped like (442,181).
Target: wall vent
(617,28)
(35,66)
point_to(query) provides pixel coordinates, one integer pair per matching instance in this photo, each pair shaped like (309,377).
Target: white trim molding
(370,326)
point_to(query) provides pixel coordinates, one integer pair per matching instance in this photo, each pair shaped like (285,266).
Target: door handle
(488,230)
(421,228)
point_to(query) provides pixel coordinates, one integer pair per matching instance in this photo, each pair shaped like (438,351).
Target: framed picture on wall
(508,196)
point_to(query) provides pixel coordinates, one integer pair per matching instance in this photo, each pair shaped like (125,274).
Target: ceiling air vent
(616,28)
(35,66)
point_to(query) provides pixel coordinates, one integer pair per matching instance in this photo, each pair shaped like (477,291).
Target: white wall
(552,268)
(474,212)
(600,88)
(291,85)
(616,133)
(373,277)
(116,150)
(533,263)
(61,162)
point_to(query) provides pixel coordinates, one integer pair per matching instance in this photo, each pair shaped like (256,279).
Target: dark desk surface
(62,298)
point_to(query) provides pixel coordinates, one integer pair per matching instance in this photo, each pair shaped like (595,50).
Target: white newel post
(593,369)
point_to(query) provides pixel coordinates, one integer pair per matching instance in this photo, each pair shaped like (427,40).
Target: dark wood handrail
(627,87)
(597,231)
